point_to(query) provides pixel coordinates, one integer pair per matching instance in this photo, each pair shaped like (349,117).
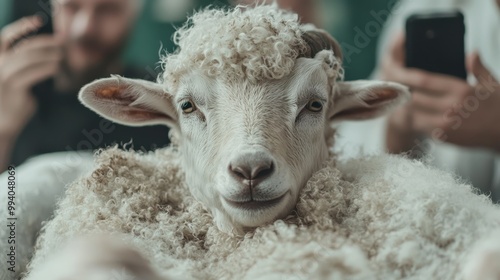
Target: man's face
(93,31)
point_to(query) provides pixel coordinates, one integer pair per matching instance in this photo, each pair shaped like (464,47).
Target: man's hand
(22,66)
(443,107)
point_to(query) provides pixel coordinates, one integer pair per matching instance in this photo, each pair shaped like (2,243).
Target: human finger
(18,61)
(18,29)
(424,122)
(428,82)
(482,73)
(37,42)
(430,103)
(36,74)
(14,75)
(396,49)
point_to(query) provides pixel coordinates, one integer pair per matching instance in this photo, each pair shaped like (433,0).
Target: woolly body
(371,218)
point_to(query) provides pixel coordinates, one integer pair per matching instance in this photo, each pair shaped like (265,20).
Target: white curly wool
(230,42)
(383,217)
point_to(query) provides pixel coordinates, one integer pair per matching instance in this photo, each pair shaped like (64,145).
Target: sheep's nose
(251,169)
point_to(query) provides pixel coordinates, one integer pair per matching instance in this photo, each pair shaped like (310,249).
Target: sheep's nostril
(262,171)
(242,172)
(251,170)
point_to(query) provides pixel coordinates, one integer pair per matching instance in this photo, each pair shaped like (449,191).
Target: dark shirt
(62,123)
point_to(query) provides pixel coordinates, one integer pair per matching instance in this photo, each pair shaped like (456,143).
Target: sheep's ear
(360,100)
(129,101)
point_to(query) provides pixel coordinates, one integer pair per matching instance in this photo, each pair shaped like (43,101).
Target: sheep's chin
(239,218)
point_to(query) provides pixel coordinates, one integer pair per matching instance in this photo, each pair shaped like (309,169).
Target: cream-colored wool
(234,43)
(383,217)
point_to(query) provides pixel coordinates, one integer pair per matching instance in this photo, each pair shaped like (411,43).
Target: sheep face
(247,148)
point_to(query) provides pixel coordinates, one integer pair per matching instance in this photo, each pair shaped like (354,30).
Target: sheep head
(252,97)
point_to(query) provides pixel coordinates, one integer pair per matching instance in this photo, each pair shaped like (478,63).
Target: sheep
(250,189)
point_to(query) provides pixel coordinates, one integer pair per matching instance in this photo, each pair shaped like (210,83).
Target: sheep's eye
(314,106)
(188,107)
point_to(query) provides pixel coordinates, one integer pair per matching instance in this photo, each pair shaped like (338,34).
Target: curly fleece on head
(374,218)
(253,44)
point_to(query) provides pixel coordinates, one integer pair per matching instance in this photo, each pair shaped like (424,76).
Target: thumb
(476,67)
(397,50)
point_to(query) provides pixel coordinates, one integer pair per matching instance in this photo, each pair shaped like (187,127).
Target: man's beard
(71,80)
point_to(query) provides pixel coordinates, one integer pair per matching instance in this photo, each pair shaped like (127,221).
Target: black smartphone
(435,43)
(44,90)
(47,27)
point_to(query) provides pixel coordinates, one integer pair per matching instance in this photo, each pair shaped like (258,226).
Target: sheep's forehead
(307,78)
(255,44)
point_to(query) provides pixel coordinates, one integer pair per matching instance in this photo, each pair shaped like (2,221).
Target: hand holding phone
(443,104)
(26,60)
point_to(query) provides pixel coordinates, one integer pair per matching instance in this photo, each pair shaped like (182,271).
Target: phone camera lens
(430,34)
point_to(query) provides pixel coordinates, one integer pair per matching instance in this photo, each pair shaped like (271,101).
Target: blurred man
(456,121)
(88,39)
(89,36)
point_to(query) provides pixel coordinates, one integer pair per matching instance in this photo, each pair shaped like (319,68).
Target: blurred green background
(351,22)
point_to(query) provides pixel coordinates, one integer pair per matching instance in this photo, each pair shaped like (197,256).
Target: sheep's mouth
(256,205)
